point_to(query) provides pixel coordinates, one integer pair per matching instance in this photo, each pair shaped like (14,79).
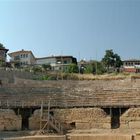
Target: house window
(23,55)
(26,55)
(17,57)
(65,62)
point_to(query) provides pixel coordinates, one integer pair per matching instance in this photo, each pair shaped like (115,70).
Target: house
(57,62)
(131,65)
(22,58)
(3,53)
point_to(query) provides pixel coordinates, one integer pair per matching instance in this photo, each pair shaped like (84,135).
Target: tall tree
(111,60)
(1,46)
(117,62)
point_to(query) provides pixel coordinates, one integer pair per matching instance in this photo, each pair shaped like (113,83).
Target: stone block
(38,138)
(9,120)
(1,127)
(134,125)
(100,137)
(106,125)
(82,125)
(124,125)
(34,123)
(137,137)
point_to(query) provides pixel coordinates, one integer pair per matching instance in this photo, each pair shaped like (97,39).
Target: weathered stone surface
(100,137)
(132,112)
(124,125)
(134,125)
(131,119)
(83,125)
(74,93)
(83,118)
(9,120)
(77,94)
(34,121)
(38,138)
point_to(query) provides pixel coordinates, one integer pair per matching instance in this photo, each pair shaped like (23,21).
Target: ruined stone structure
(9,120)
(100,104)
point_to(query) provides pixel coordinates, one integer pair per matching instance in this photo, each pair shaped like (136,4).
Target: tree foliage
(99,68)
(46,67)
(111,60)
(72,68)
(94,67)
(2,46)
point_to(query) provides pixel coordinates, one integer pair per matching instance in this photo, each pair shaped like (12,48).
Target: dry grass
(111,76)
(99,77)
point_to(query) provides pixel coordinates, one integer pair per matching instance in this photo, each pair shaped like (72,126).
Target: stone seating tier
(71,93)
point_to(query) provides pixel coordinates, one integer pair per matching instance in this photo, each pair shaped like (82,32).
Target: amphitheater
(68,109)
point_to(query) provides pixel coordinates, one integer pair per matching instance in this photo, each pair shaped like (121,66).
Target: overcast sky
(82,28)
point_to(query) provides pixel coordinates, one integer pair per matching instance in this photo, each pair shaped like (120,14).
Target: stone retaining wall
(79,118)
(34,120)
(130,119)
(38,138)
(100,137)
(83,118)
(9,120)
(78,137)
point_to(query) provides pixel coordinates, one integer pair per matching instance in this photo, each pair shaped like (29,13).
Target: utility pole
(79,65)
(96,63)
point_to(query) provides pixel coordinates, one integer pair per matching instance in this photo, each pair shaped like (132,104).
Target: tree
(1,46)
(2,59)
(99,68)
(72,68)
(118,61)
(89,68)
(46,67)
(94,67)
(111,60)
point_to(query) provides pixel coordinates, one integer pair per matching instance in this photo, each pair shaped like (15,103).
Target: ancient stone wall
(9,120)
(83,118)
(100,137)
(76,118)
(38,138)
(78,137)
(70,94)
(130,119)
(8,75)
(89,93)
(34,120)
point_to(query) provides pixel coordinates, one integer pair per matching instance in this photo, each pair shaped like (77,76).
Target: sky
(81,28)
